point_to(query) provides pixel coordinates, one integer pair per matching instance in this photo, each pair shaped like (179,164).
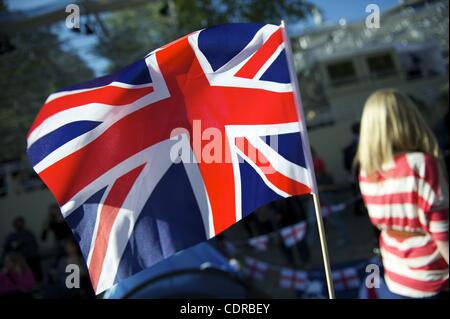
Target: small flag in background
(293,279)
(260,242)
(333,209)
(347,278)
(255,269)
(104,147)
(293,234)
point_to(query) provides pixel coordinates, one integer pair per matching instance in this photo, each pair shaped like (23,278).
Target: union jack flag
(104,147)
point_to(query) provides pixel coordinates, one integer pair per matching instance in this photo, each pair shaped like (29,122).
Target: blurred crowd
(28,273)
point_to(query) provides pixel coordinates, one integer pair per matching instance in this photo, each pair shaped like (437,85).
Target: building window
(341,73)
(381,66)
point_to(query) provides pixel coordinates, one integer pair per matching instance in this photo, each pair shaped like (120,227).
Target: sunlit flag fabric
(105,148)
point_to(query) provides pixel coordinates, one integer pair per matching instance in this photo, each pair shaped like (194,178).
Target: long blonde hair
(391,124)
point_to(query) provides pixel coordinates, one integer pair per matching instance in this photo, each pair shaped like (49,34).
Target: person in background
(349,151)
(56,224)
(16,277)
(319,168)
(348,155)
(441,126)
(288,212)
(405,188)
(249,224)
(58,275)
(262,221)
(326,188)
(24,242)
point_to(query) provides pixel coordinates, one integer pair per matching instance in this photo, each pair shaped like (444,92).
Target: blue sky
(333,11)
(350,10)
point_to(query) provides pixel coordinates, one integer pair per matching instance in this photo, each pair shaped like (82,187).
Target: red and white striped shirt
(411,194)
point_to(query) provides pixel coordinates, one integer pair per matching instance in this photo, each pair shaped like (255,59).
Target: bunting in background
(333,209)
(348,278)
(293,234)
(255,269)
(345,279)
(293,279)
(259,243)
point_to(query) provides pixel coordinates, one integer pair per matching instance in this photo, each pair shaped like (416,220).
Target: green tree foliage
(134,32)
(33,69)
(199,14)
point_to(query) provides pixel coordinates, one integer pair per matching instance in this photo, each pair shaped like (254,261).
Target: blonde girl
(404,186)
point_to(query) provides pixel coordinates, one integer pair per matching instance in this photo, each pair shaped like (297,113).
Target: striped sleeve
(433,199)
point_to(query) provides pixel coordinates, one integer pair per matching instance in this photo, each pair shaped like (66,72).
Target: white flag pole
(307,151)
